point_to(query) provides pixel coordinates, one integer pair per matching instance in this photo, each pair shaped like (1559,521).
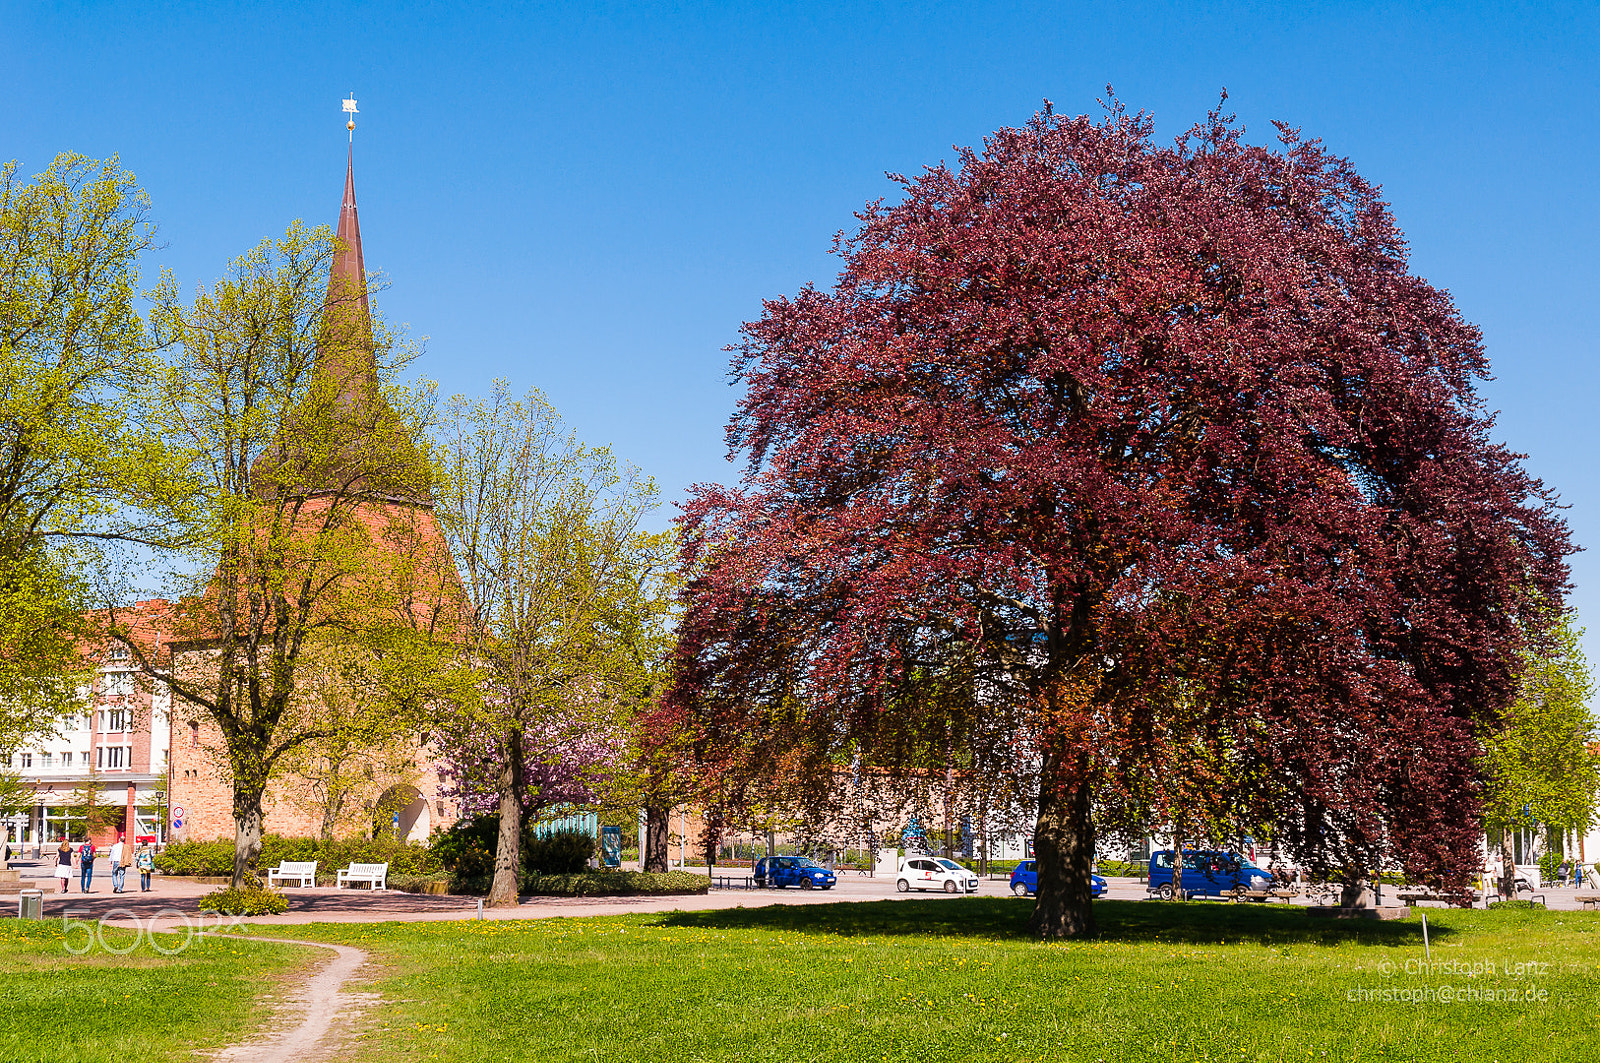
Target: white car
(934,873)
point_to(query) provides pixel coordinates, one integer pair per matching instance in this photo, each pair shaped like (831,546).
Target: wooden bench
(303,872)
(1242,894)
(375,876)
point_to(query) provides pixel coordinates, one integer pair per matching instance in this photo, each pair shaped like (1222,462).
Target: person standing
(146,863)
(119,870)
(85,865)
(64,863)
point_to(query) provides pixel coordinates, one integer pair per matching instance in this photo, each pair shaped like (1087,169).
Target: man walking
(85,865)
(118,869)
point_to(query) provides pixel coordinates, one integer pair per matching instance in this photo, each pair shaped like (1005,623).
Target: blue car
(1207,873)
(799,871)
(1025,880)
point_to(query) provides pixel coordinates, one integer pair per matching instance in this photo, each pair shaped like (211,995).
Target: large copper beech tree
(1160,456)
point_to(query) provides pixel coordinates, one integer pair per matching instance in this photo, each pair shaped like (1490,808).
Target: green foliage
(1524,905)
(466,850)
(230,901)
(1541,763)
(562,852)
(214,859)
(618,884)
(72,349)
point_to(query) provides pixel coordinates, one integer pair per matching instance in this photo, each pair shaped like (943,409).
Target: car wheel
(806,883)
(949,885)
(902,885)
(1020,890)
(1164,891)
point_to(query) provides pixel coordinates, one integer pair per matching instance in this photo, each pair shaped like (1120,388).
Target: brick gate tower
(363,456)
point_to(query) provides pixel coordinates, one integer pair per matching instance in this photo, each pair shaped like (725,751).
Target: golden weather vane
(350,109)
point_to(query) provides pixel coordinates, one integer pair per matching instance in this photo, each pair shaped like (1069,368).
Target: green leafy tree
(567,599)
(1541,765)
(87,805)
(297,511)
(72,349)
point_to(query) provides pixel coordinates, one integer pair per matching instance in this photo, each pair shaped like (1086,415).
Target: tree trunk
(654,856)
(1177,865)
(246,839)
(1063,846)
(508,847)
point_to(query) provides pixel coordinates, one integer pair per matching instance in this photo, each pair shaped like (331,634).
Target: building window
(118,684)
(113,720)
(66,760)
(118,652)
(46,760)
(114,756)
(27,760)
(194,734)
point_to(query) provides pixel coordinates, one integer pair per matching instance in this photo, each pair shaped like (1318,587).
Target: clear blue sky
(590,197)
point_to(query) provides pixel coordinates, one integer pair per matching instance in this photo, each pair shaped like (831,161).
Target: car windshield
(949,865)
(805,861)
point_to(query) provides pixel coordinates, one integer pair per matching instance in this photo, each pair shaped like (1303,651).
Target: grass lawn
(956,978)
(56,1007)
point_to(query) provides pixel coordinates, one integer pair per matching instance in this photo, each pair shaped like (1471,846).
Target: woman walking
(146,862)
(64,863)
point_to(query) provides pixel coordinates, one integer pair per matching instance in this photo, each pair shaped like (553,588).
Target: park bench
(1589,901)
(375,876)
(303,872)
(733,882)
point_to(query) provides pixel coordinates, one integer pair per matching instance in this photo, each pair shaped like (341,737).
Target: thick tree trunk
(508,847)
(246,839)
(1063,846)
(654,856)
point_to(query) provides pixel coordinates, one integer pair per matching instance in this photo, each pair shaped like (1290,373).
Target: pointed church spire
(344,438)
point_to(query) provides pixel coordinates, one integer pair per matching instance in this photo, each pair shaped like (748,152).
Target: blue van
(1207,873)
(1025,880)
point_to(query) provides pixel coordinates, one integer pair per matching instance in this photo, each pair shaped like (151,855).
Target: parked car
(1207,873)
(935,873)
(1025,880)
(799,871)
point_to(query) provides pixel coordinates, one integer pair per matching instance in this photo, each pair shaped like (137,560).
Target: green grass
(957,979)
(56,1007)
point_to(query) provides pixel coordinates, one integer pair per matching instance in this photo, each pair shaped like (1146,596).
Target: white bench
(374,875)
(303,872)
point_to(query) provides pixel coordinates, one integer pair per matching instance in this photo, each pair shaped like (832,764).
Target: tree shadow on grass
(1006,919)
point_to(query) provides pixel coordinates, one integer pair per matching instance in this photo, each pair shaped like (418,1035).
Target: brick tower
(363,455)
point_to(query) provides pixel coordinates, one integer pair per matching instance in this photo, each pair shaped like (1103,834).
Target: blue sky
(590,198)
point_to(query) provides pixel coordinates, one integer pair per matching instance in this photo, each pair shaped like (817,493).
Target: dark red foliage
(1139,450)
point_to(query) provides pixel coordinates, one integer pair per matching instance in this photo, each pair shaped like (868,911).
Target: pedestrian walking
(146,863)
(64,863)
(119,864)
(85,865)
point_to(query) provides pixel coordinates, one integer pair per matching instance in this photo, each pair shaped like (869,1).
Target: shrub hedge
(617,884)
(215,859)
(244,902)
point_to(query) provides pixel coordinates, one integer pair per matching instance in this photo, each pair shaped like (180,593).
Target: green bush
(215,859)
(244,902)
(562,852)
(618,884)
(1515,904)
(466,852)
